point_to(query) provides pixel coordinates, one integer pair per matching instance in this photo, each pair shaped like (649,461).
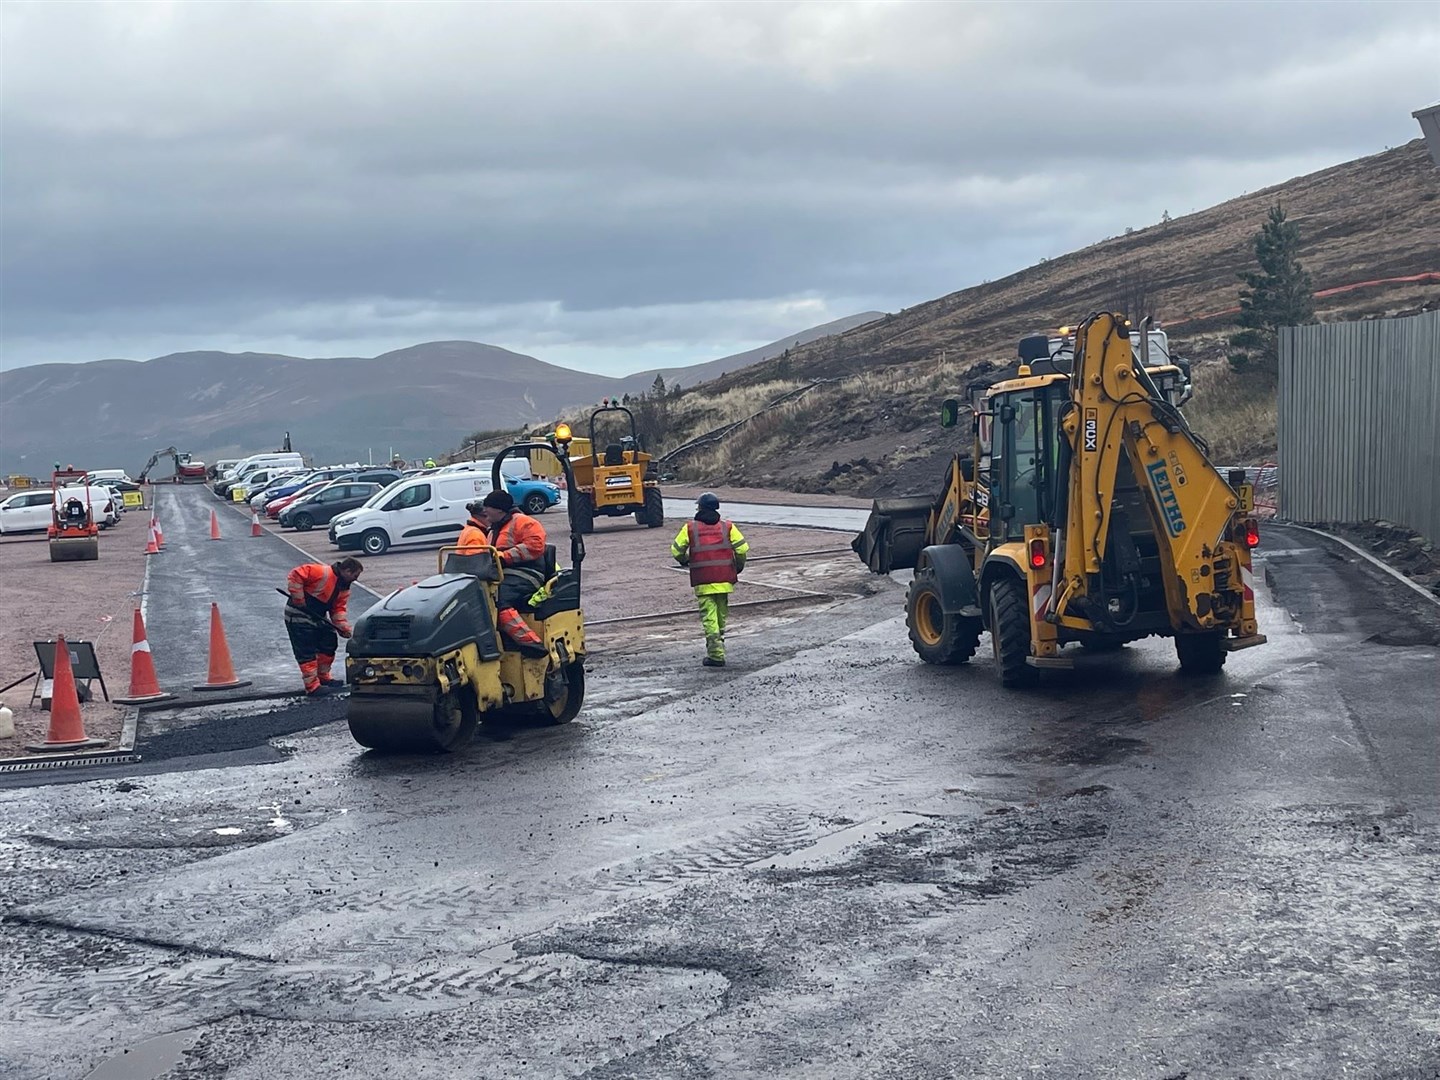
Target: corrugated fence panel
(1359,422)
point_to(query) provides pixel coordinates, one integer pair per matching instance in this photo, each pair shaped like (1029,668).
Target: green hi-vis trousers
(713,609)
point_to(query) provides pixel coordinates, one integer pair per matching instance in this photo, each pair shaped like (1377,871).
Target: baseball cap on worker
(708,501)
(500,500)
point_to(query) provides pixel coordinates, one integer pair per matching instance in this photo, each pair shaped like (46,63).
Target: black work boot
(712,662)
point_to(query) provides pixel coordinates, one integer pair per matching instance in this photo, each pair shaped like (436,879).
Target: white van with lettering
(416,510)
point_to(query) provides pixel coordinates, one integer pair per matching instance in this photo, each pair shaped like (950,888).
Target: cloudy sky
(616,186)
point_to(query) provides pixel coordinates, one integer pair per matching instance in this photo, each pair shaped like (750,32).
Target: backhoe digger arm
(1114,407)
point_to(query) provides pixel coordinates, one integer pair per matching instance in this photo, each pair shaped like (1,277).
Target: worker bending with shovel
(315,619)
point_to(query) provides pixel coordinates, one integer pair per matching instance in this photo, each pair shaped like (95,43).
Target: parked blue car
(533,496)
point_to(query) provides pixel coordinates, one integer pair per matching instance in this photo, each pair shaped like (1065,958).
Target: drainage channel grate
(114,758)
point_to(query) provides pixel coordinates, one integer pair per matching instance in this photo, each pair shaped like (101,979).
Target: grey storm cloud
(356,176)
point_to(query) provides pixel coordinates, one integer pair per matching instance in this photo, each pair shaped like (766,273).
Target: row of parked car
(30,510)
(301,501)
(372,509)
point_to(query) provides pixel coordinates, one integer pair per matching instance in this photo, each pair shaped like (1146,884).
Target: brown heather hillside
(874,431)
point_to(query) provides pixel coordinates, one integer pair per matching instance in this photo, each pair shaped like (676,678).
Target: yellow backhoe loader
(1087,513)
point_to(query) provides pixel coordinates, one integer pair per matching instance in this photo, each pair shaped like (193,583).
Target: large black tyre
(1010,632)
(1201,654)
(535,504)
(303,522)
(938,638)
(375,542)
(583,512)
(654,508)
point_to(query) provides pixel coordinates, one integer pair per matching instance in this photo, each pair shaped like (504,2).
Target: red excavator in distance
(187,469)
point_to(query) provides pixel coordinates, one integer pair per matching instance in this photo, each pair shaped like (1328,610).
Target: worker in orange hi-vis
(519,541)
(475,536)
(315,619)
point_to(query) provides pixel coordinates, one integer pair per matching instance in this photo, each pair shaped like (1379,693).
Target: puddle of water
(227,832)
(147,1060)
(828,847)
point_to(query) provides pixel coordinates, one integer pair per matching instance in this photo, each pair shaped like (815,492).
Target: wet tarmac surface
(828,860)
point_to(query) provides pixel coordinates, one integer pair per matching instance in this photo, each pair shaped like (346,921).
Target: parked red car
(274,506)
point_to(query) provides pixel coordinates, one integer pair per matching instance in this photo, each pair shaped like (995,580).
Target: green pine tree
(1280,294)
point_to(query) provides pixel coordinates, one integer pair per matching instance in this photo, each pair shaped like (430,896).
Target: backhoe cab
(1086,513)
(615,478)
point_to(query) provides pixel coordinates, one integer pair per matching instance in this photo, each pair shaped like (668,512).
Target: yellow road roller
(427,662)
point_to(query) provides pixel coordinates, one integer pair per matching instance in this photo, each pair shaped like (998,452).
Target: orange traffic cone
(152,548)
(67,729)
(159,534)
(214,526)
(144,686)
(222,671)
(255,523)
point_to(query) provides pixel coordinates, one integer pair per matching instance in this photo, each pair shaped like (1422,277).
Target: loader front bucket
(894,533)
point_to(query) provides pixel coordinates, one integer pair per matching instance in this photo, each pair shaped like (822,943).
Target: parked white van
(104,506)
(289,459)
(244,473)
(416,510)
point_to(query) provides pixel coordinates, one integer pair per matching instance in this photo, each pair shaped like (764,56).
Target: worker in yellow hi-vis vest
(715,552)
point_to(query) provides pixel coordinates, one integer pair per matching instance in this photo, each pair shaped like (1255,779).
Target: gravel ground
(85,601)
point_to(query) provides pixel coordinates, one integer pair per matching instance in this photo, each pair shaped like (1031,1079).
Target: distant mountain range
(416,401)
